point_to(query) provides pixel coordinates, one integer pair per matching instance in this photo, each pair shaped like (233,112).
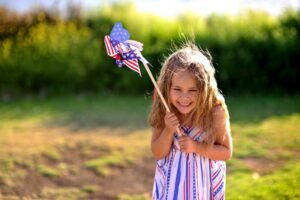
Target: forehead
(184,79)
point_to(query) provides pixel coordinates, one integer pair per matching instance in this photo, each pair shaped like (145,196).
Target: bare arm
(161,141)
(222,149)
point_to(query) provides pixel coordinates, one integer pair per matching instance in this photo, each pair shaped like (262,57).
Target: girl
(190,166)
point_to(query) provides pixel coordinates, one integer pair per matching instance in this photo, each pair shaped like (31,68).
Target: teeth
(184,104)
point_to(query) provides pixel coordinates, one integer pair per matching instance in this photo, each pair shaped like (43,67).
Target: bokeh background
(74,126)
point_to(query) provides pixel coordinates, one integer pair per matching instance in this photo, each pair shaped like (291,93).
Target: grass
(67,142)
(281,184)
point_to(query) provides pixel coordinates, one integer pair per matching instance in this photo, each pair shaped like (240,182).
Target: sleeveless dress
(189,176)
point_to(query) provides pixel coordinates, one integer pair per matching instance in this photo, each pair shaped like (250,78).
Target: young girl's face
(184,91)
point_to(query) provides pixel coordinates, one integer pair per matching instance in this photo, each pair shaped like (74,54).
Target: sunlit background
(74,126)
(162,7)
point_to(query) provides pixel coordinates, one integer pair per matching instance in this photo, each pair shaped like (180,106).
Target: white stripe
(133,65)
(109,48)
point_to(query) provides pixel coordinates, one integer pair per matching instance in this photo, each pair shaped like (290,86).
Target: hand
(187,144)
(171,122)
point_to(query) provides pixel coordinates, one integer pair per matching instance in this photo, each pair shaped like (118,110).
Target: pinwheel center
(118,57)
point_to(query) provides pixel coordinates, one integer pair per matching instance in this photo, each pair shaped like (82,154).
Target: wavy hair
(192,59)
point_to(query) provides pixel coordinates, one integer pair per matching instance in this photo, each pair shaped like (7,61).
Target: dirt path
(136,178)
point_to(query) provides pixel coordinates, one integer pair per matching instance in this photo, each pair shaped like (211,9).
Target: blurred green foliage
(42,53)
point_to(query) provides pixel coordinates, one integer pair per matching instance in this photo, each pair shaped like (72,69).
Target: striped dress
(186,176)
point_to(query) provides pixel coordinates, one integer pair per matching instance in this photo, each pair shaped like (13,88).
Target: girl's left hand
(187,144)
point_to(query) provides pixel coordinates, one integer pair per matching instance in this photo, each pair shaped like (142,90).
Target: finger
(170,118)
(182,149)
(179,141)
(175,124)
(183,138)
(173,118)
(167,116)
(170,114)
(174,121)
(181,146)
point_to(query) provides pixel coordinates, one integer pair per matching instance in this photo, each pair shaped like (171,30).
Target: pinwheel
(128,52)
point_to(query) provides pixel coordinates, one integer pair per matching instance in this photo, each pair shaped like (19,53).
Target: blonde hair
(192,59)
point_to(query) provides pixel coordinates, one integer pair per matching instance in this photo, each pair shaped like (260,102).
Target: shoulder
(219,112)
(219,116)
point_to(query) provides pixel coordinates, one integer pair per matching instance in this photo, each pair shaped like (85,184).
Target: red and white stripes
(132,64)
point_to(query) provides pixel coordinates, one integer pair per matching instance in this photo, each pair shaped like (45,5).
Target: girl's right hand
(171,122)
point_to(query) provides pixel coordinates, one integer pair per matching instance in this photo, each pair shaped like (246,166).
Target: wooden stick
(159,93)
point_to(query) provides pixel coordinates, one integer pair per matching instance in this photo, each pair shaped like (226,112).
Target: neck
(184,120)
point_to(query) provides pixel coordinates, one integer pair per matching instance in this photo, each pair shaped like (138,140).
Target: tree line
(43,53)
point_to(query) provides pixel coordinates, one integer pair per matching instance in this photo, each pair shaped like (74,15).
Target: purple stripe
(215,176)
(186,178)
(194,176)
(210,188)
(219,189)
(177,178)
(169,172)
(201,171)
(156,190)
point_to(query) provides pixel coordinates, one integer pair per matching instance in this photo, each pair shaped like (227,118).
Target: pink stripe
(164,181)
(197,134)
(218,184)
(215,173)
(222,196)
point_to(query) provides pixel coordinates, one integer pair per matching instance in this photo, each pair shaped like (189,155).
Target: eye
(193,90)
(176,89)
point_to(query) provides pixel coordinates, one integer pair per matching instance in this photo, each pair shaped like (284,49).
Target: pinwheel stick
(159,93)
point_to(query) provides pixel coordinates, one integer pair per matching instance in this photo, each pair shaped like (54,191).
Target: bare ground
(136,178)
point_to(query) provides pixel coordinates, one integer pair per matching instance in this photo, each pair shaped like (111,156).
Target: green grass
(62,136)
(63,193)
(48,171)
(77,112)
(133,197)
(281,184)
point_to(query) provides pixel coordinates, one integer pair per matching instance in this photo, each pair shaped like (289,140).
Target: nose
(185,96)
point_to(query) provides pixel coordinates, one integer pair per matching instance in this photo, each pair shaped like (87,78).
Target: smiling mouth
(184,104)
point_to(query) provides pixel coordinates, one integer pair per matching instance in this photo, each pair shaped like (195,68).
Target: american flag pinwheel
(124,51)
(128,52)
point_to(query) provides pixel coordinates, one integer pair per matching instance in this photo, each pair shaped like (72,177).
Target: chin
(184,112)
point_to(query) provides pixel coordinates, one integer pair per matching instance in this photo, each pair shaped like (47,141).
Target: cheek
(195,96)
(172,95)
